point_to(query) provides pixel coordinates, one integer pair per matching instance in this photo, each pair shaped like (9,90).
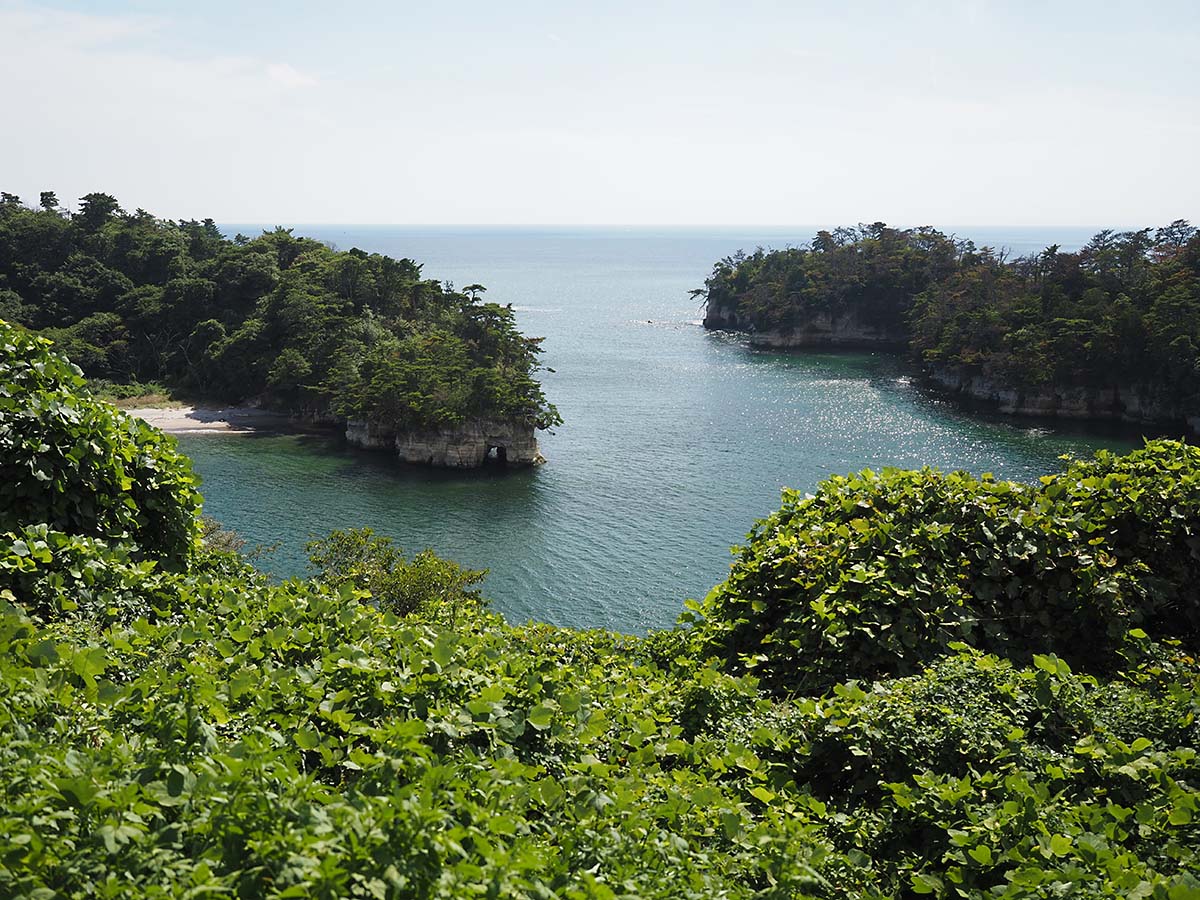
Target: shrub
(367,562)
(80,466)
(968,713)
(1144,509)
(877,574)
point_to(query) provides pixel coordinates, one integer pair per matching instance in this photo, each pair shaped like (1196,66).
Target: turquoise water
(675,440)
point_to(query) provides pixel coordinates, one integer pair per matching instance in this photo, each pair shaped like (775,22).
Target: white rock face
(718,318)
(467,446)
(820,330)
(1127,403)
(1132,403)
(369,436)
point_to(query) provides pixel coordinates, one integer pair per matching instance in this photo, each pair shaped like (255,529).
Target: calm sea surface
(676,440)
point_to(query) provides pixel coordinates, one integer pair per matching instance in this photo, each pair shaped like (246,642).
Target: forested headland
(279,320)
(911,684)
(1110,331)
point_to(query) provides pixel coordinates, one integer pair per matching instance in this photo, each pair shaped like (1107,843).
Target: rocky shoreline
(845,331)
(1130,404)
(466,446)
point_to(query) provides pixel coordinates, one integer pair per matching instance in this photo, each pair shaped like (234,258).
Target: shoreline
(468,446)
(972,403)
(212,419)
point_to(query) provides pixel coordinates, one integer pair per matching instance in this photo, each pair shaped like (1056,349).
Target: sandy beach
(211,420)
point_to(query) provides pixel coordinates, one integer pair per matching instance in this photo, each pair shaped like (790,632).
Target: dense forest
(281,320)
(911,684)
(1121,313)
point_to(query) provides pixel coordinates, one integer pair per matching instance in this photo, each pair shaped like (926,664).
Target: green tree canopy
(1122,313)
(280,319)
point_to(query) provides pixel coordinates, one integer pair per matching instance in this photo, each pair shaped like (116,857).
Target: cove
(676,440)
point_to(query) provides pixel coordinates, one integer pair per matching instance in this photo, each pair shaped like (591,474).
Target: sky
(954,113)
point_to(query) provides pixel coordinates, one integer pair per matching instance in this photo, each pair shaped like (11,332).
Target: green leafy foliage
(70,462)
(979,778)
(878,573)
(199,730)
(283,320)
(425,584)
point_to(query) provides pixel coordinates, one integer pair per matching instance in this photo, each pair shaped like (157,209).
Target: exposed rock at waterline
(465,446)
(823,329)
(1126,403)
(369,436)
(723,318)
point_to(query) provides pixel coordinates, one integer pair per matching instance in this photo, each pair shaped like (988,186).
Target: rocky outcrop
(1135,404)
(718,317)
(1126,403)
(823,329)
(828,330)
(470,444)
(369,436)
(465,446)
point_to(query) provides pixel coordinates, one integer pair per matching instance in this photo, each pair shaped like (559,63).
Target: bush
(117,391)
(425,584)
(80,466)
(877,574)
(66,577)
(969,713)
(1143,509)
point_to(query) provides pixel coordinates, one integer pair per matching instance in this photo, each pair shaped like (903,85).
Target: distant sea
(676,439)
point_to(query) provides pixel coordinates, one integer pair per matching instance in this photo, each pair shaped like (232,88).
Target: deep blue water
(675,440)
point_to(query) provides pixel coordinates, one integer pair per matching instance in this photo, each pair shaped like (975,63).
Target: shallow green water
(675,441)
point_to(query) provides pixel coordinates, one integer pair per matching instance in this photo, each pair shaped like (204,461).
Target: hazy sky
(943,113)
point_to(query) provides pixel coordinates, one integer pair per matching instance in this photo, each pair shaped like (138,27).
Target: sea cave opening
(496,455)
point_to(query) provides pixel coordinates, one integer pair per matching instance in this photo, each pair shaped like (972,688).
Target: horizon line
(671,225)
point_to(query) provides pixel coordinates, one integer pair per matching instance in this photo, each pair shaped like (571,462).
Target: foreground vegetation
(1122,312)
(278,319)
(911,684)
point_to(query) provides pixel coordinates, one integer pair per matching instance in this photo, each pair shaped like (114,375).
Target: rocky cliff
(1138,404)
(845,330)
(465,446)
(718,317)
(369,436)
